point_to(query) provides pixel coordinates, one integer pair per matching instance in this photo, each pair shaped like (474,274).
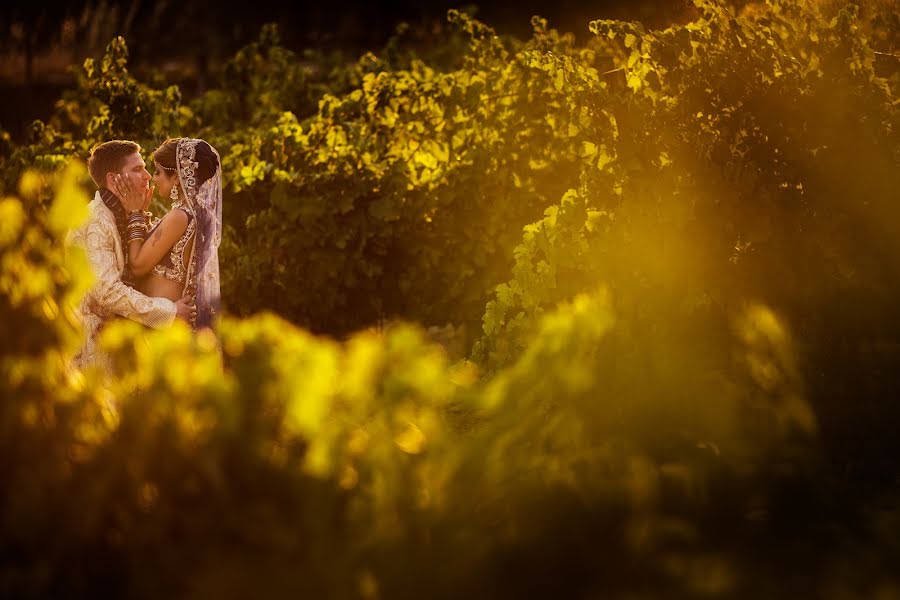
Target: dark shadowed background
(41,41)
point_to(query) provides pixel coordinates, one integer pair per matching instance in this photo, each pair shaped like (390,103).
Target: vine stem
(886,54)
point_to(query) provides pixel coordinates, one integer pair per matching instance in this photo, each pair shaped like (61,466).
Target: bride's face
(163,180)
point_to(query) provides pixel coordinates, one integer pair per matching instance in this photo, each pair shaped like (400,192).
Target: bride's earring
(174,193)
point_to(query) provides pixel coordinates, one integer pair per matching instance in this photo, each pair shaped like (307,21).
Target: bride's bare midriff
(160,287)
(157,286)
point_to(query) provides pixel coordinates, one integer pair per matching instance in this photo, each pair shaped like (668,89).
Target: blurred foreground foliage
(265,461)
(685,387)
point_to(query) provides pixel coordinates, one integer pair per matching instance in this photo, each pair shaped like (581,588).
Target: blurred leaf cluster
(267,461)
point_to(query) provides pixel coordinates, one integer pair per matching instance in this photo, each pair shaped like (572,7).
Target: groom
(102,239)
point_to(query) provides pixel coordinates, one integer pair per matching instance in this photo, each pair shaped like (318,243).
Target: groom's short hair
(109,157)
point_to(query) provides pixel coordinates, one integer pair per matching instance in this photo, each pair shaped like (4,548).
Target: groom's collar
(109,199)
(112,203)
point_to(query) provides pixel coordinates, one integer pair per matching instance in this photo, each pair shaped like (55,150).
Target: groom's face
(135,169)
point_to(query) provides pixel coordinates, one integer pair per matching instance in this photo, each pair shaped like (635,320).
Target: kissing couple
(151,270)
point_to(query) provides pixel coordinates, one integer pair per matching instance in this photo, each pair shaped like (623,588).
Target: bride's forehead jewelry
(158,166)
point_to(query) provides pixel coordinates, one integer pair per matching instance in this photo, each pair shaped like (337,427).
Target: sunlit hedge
(398,187)
(752,159)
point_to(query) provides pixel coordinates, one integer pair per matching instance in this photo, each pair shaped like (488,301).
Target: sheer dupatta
(203,276)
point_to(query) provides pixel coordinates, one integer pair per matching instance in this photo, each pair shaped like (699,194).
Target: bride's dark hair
(165,157)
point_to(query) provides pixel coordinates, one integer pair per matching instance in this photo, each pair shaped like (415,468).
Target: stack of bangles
(137,226)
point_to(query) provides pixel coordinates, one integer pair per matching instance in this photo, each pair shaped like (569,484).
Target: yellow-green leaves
(69,208)
(559,80)
(32,184)
(600,155)
(12,218)
(664,160)
(431,153)
(362,367)
(588,150)
(634,81)
(312,376)
(604,157)
(410,439)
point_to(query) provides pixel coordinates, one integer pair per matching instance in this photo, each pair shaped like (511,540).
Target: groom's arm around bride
(101,237)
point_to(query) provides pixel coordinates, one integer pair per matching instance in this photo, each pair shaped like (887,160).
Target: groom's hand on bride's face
(125,189)
(185,310)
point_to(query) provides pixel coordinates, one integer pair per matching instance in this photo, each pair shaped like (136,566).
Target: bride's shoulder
(177,218)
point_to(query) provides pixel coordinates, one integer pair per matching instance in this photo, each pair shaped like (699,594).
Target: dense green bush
(393,187)
(402,197)
(754,159)
(744,160)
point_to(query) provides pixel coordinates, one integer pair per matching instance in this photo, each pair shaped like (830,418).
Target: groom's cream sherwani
(108,297)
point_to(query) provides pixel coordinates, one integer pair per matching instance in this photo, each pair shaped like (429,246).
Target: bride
(177,255)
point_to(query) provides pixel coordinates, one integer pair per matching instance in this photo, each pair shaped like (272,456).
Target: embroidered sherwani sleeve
(108,291)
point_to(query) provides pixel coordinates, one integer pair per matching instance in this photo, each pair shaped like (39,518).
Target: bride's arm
(143,255)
